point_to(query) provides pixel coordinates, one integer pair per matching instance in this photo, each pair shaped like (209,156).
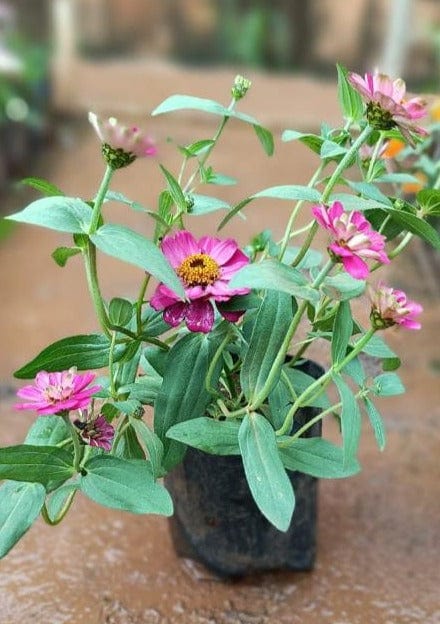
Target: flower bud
(240,87)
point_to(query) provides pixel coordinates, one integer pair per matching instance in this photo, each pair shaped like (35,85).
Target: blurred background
(55,55)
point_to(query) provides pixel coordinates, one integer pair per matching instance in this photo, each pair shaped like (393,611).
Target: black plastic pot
(217,522)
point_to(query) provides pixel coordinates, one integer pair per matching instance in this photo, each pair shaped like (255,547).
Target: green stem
(95,292)
(317,387)
(65,508)
(374,156)
(111,365)
(77,447)
(281,355)
(213,364)
(99,199)
(295,211)
(401,246)
(140,301)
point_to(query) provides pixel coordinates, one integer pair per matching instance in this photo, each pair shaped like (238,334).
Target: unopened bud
(241,87)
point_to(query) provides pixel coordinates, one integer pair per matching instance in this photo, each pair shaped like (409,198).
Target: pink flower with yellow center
(58,392)
(121,145)
(392,307)
(386,104)
(205,267)
(96,432)
(354,239)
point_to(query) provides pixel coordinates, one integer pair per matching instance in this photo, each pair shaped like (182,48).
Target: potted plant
(205,378)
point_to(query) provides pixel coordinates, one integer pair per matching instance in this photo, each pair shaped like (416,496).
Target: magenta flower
(386,103)
(58,392)
(205,267)
(354,239)
(391,307)
(97,432)
(121,145)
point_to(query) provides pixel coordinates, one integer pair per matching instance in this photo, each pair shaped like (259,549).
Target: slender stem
(281,355)
(361,139)
(213,364)
(92,280)
(310,424)
(295,211)
(140,301)
(317,387)
(111,365)
(401,246)
(374,157)
(99,199)
(65,508)
(77,447)
(305,246)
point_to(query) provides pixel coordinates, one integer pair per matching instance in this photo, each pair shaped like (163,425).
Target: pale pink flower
(205,267)
(121,140)
(354,239)
(96,432)
(392,307)
(386,103)
(58,392)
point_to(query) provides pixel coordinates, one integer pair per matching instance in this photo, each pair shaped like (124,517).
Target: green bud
(240,87)
(116,158)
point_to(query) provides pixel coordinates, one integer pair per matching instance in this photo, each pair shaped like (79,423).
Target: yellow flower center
(198,270)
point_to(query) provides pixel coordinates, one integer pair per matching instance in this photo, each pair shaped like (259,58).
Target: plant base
(217,523)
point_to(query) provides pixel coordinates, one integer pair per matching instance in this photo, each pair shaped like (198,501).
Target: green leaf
(128,445)
(271,325)
(265,473)
(64,214)
(206,434)
(43,186)
(124,484)
(85,352)
(175,190)
(342,331)
(266,138)
(316,457)
(417,226)
(272,274)
(388,384)
(120,311)
(198,147)
(47,431)
(183,395)
(290,192)
(342,287)
(20,505)
(313,141)
(35,464)
(349,99)
(203,204)
(350,420)
(129,246)
(286,192)
(145,389)
(370,191)
(152,444)
(376,347)
(62,254)
(331,149)
(189,102)
(376,423)
(429,201)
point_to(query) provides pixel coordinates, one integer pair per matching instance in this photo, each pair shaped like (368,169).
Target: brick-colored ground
(378,533)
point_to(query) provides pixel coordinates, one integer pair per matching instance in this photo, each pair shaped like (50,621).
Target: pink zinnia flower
(121,144)
(205,267)
(354,239)
(392,307)
(58,392)
(386,103)
(97,432)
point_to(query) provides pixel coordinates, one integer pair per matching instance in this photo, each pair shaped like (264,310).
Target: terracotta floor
(379,532)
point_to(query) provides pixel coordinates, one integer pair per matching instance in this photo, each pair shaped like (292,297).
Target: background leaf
(208,435)
(318,458)
(64,214)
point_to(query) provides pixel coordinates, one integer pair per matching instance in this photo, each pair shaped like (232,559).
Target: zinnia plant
(207,354)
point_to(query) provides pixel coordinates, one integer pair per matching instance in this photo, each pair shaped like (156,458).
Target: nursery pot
(217,523)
